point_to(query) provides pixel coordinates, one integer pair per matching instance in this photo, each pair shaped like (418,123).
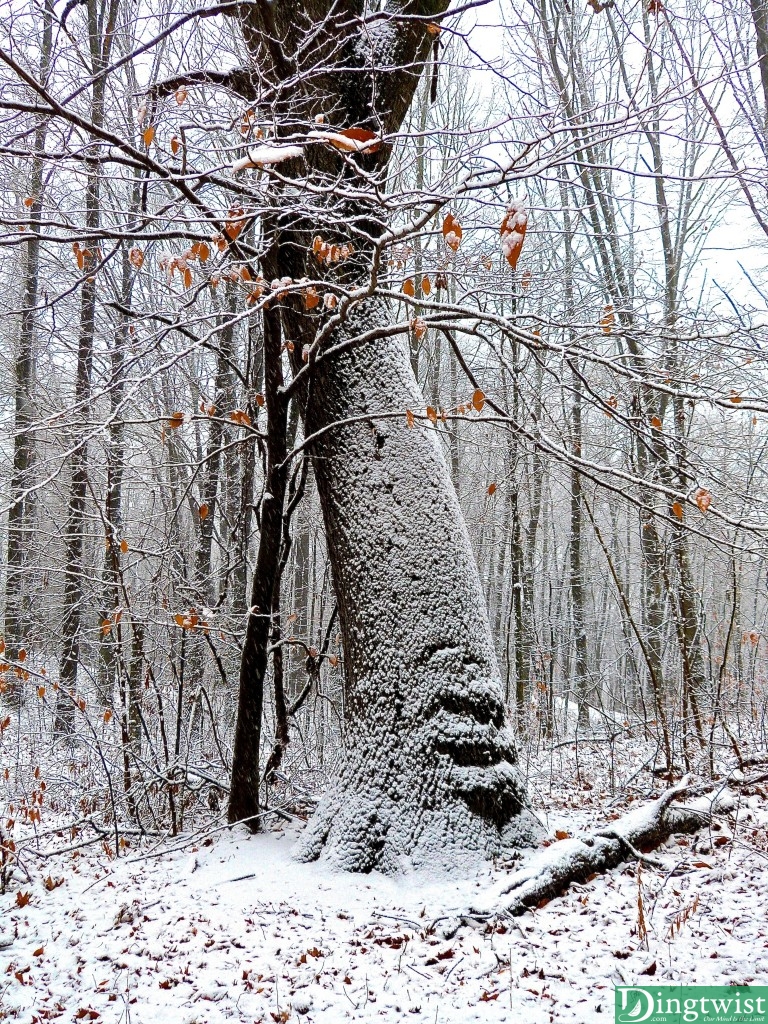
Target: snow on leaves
(703,499)
(512,231)
(452,232)
(267,156)
(349,140)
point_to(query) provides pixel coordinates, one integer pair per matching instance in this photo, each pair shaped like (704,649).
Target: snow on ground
(232,929)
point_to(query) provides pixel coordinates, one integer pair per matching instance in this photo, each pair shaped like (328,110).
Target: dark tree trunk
(760,20)
(244,789)
(74,530)
(20,513)
(101,27)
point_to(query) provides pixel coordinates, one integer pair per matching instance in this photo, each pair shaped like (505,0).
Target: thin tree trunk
(581,682)
(223,402)
(255,379)
(760,19)
(244,801)
(101,26)
(20,513)
(113,505)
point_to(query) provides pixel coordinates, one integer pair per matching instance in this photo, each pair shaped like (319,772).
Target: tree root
(550,873)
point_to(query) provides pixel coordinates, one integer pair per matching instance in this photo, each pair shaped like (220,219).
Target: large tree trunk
(429,773)
(429,769)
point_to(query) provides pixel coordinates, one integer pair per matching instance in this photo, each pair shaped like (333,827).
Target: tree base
(403,829)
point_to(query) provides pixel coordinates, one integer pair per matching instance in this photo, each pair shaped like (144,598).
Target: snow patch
(266,156)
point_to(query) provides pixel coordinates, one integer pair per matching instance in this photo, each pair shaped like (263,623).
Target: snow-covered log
(551,872)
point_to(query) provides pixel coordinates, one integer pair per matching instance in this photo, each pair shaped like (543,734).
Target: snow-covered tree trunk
(430,763)
(429,770)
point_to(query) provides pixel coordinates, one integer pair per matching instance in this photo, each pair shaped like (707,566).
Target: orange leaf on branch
(200,251)
(350,140)
(419,327)
(512,231)
(478,400)
(186,621)
(703,499)
(452,232)
(235,224)
(240,417)
(608,319)
(361,135)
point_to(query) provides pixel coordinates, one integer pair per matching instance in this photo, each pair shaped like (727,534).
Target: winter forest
(383,508)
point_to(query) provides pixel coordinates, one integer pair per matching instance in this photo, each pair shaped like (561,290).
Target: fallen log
(550,872)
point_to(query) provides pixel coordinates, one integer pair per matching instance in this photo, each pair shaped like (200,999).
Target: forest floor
(230,928)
